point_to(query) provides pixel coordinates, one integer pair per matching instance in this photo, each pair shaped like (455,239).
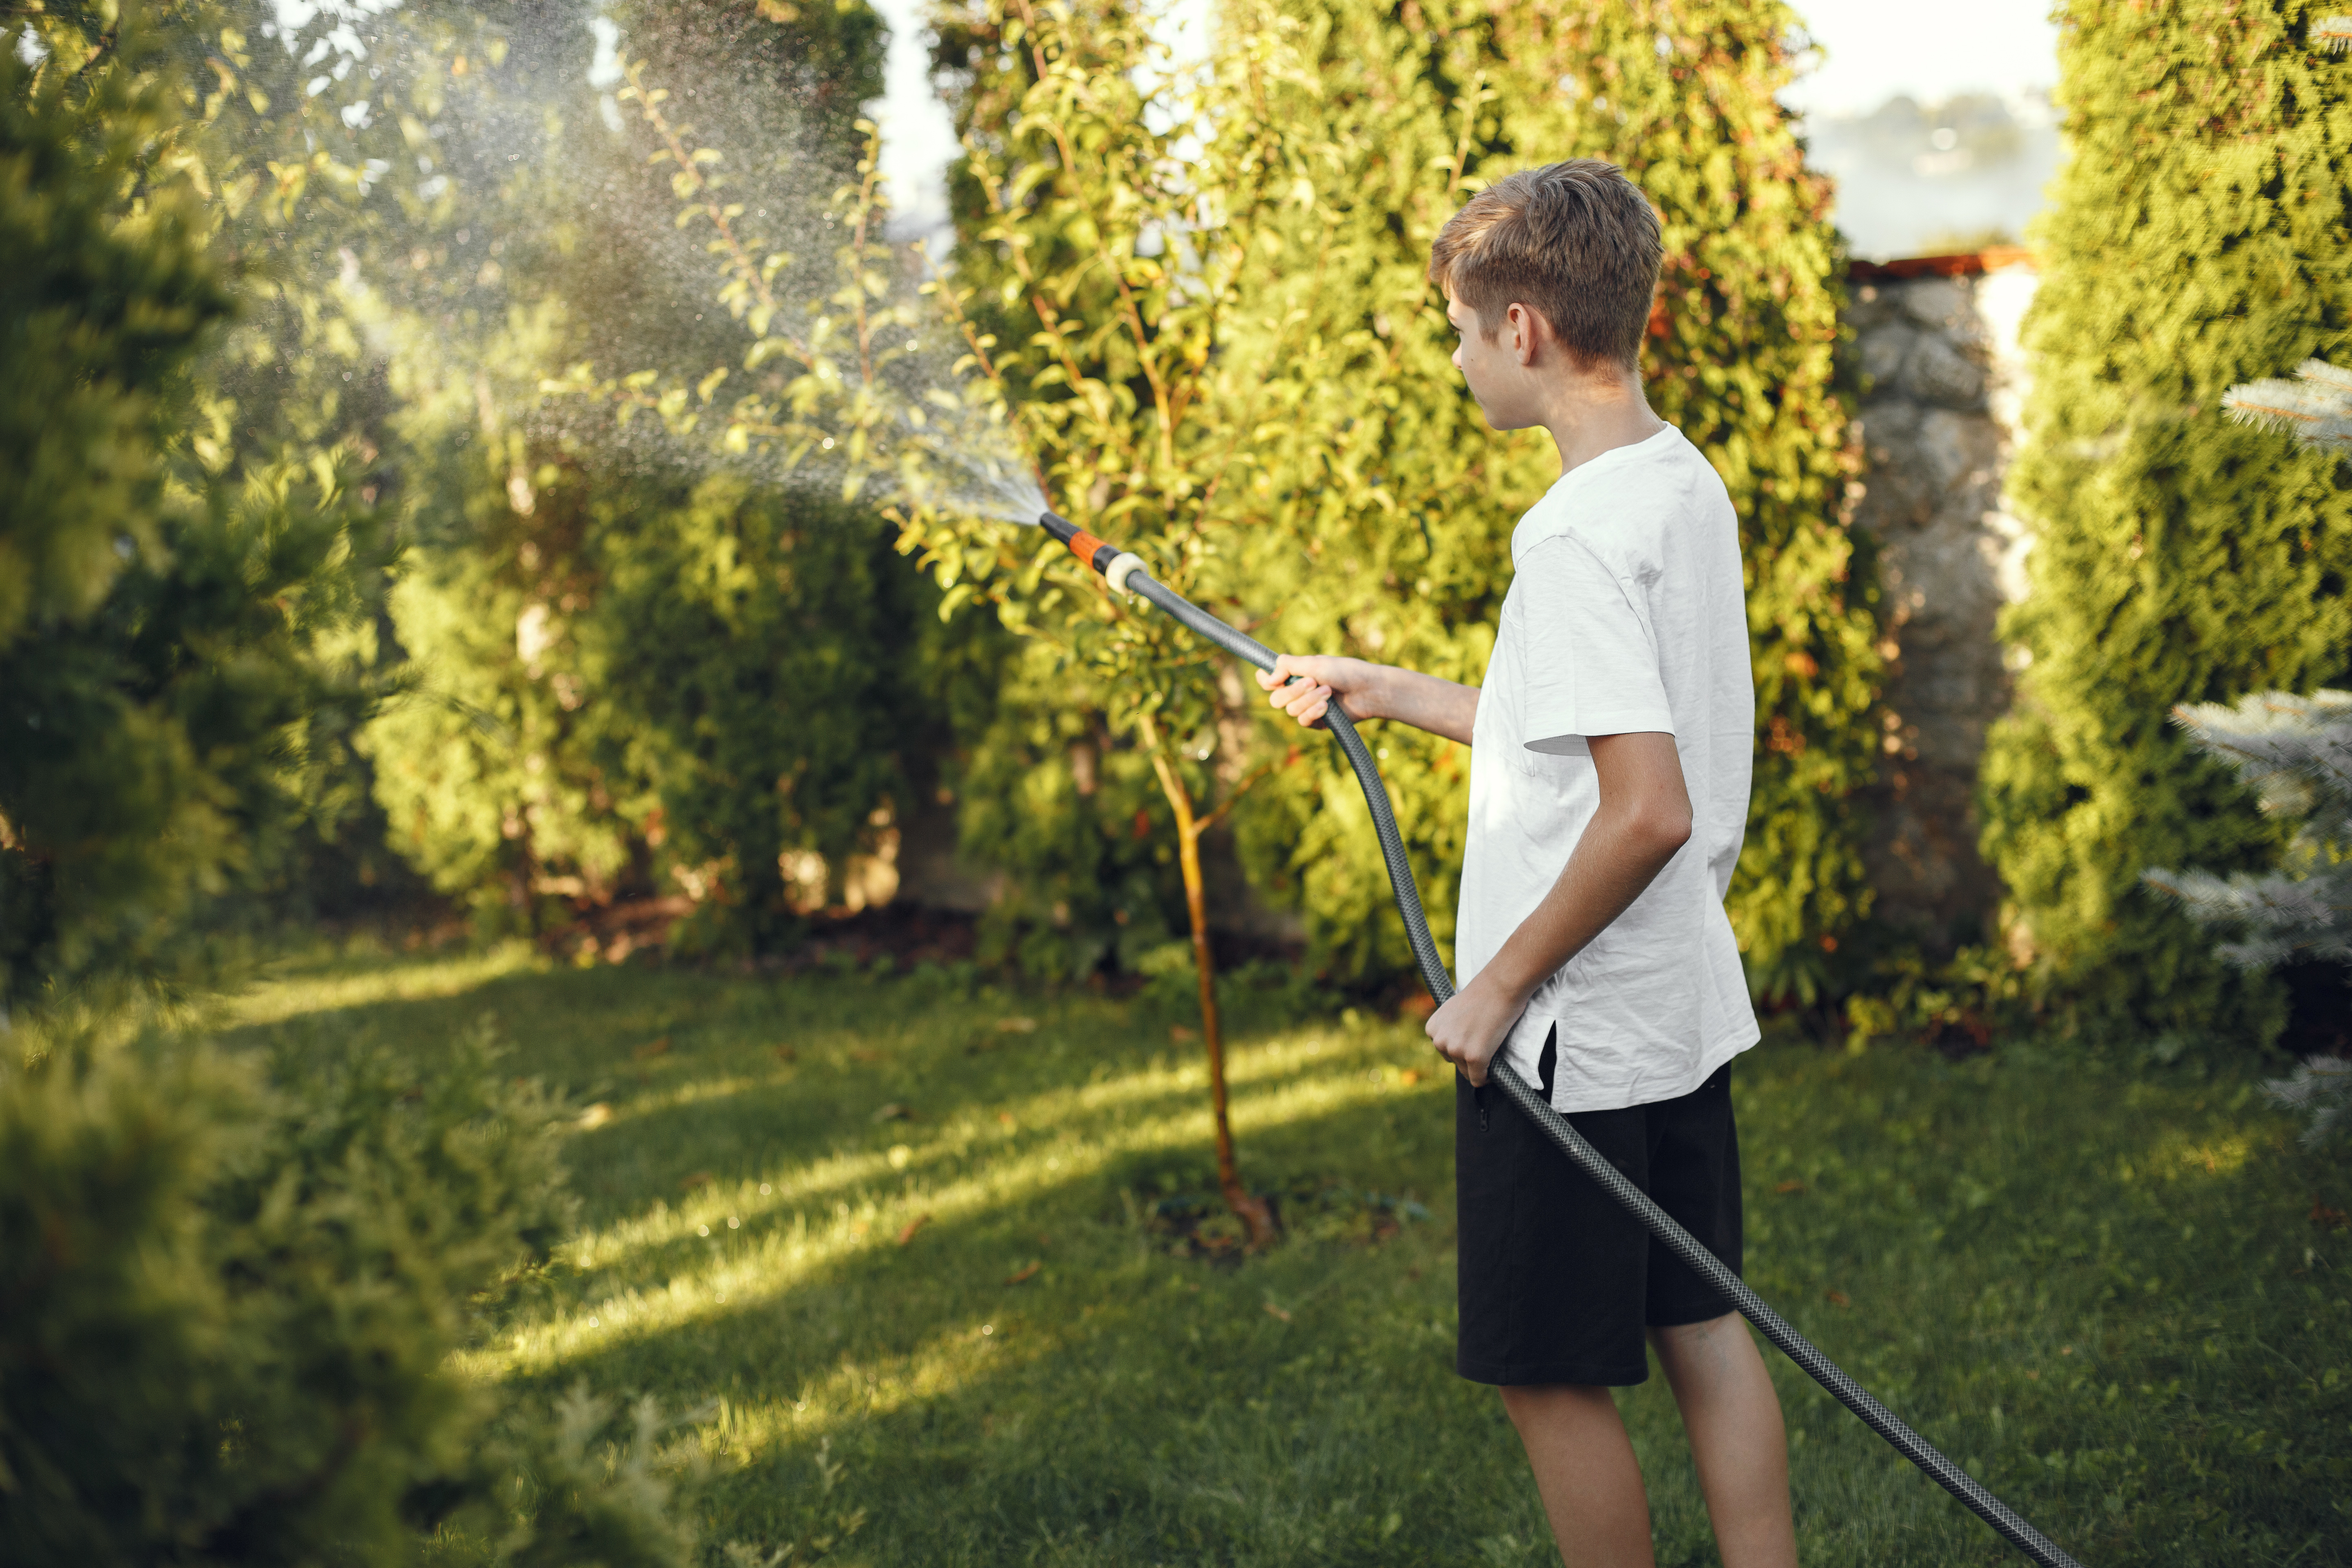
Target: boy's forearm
(1620,855)
(1643,820)
(1428,702)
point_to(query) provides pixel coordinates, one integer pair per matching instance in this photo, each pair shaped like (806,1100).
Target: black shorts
(1557,1282)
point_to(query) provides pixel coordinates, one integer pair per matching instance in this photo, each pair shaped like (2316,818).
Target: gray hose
(1581,1154)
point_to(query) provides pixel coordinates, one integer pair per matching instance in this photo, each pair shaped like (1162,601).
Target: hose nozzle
(1115,564)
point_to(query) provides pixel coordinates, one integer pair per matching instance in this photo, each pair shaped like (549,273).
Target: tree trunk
(1257,1217)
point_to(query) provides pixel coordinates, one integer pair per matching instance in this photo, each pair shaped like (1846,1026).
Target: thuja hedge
(2197,240)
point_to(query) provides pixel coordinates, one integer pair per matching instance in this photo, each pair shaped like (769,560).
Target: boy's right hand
(1303,685)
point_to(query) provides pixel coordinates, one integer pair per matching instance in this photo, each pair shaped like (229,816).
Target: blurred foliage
(177,652)
(2294,751)
(704,691)
(623,669)
(234,1286)
(2196,241)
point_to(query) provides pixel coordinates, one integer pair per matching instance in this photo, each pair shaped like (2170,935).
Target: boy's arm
(1643,817)
(1441,707)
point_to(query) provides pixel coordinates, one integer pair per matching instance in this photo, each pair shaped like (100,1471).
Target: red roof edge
(1970,264)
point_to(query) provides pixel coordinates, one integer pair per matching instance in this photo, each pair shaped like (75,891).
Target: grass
(914,1256)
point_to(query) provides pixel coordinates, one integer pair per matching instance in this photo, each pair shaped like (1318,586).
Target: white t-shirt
(1626,613)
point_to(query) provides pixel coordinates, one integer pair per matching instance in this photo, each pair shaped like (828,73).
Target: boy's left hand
(1468,1029)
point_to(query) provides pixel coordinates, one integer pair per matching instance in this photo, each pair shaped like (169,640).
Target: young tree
(1089,297)
(2196,240)
(1095,286)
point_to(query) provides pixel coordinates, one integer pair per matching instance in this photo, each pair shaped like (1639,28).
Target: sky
(1876,48)
(1872,50)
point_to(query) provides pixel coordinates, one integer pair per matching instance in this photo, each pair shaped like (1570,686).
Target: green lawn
(913,1255)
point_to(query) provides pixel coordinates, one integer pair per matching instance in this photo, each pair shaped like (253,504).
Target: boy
(1608,782)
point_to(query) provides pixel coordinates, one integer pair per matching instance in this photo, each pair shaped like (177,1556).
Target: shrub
(235,1287)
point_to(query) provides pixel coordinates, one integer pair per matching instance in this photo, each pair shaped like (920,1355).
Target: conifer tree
(2296,752)
(2196,240)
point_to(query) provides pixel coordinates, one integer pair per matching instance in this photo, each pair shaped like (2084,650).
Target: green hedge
(2197,240)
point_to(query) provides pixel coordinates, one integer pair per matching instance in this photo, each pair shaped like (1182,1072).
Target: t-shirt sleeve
(1591,654)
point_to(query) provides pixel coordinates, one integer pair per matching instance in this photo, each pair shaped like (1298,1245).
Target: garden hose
(1127,572)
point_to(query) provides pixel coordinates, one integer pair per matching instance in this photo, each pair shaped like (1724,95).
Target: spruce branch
(2316,407)
(2333,34)
(2322,1087)
(2298,752)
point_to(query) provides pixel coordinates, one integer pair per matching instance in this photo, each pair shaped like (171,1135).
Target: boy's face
(1500,370)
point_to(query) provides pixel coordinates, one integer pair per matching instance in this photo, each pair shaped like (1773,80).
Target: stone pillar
(1944,382)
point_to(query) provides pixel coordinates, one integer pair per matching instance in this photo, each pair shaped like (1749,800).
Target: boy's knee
(1716,1353)
(1676,1335)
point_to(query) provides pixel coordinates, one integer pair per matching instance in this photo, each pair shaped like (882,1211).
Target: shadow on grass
(2086,1286)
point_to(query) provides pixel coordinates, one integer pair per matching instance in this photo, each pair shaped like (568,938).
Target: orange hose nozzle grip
(1098,554)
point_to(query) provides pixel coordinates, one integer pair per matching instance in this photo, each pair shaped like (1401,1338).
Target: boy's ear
(1527,329)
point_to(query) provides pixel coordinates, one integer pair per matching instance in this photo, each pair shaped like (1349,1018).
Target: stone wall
(1944,381)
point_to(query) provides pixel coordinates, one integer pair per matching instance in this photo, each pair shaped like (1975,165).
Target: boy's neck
(1588,414)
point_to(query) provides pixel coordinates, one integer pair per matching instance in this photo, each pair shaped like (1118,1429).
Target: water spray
(1126,572)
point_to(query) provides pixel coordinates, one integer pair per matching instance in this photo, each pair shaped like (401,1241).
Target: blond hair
(1575,242)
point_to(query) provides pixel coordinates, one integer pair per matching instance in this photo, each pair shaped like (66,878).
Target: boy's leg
(1586,1473)
(1737,1436)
